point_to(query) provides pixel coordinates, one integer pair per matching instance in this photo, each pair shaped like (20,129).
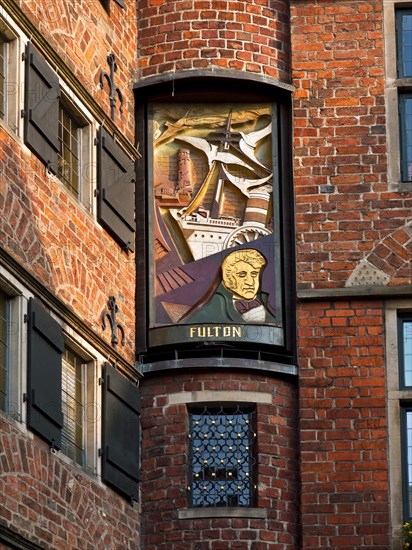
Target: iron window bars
(222,443)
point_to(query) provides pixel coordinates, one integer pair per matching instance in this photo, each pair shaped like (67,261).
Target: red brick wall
(165,466)
(343,426)
(242,35)
(340,140)
(83,34)
(53,237)
(41,225)
(56,506)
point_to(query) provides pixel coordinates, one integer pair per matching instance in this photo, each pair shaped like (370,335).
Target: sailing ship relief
(213,187)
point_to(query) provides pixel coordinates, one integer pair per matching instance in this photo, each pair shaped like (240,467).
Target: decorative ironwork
(114,325)
(114,90)
(222,463)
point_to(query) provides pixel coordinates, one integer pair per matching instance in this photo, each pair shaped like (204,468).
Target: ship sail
(200,195)
(220,160)
(244,184)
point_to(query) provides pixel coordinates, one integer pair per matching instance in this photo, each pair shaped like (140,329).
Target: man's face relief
(244,281)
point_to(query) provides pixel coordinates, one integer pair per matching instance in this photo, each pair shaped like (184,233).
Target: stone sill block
(238,512)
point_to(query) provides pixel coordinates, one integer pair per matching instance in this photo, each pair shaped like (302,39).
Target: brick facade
(83,34)
(37,229)
(55,506)
(346,214)
(343,425)
(248,36)
(54,246)
(46,230)
(327,471)
(165,465)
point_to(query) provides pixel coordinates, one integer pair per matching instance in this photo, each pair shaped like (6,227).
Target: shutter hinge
(96,141)
(96,192)
(23,56)
(100,452)
(22,113)
(25,398)
(127,247)
(53,448)
(101,381)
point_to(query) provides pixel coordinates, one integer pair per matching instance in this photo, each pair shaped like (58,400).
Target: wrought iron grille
(222,457)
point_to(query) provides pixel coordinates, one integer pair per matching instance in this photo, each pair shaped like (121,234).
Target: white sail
(244,184)
(247,145)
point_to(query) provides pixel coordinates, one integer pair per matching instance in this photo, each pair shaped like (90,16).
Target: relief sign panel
(215,265)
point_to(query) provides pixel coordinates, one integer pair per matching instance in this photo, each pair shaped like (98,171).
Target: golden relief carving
(212,191)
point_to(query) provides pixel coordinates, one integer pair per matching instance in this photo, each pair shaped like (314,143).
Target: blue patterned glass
(221,457)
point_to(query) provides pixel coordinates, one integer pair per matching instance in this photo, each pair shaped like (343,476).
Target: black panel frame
(215,89)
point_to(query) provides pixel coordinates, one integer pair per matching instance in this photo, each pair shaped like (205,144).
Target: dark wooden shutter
(41,111)
(115,204)
(121,433)
(44,381)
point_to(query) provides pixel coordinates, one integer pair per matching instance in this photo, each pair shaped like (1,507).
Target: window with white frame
(398,72)
(3,64)
(405,371)
(404,74)
(405,349)
(62,387)
(80,406)
(406,438)
(69,164)
(13,303)
(9,81)
(58,127)
(398,345)
(73,164)
(58,130)
(73,405)
(4,349)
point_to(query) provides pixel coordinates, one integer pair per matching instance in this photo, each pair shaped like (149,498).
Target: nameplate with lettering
(258,334)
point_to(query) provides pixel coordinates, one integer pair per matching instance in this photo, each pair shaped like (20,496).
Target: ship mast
(224,146)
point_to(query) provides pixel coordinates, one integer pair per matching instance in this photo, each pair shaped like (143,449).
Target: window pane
(407,467)
(406,352)
(221,457)
(73,405)
(69,157)
(2,77)
(404,30)
(4,347)
(405,113)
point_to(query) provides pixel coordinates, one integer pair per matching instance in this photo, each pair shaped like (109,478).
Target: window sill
(405,82)
(238,512)
(400,186)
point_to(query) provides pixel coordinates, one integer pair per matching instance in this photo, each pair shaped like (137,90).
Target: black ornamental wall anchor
(114,90)
(114,325)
